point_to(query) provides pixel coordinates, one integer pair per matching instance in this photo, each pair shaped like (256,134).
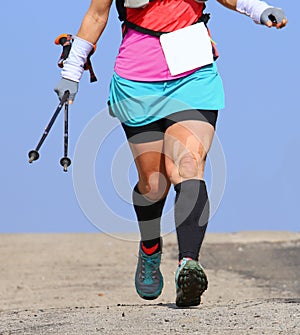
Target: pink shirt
(141,58)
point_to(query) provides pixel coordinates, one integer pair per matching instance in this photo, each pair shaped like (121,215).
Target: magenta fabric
(141,58)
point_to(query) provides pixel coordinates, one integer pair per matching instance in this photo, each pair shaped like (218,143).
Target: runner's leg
(148,198)
(186,146)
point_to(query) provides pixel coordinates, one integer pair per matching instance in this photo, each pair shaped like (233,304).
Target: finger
(70,102)
(279,24)
(270,24)
(282,23)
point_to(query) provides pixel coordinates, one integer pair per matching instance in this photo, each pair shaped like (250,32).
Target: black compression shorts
(154,131)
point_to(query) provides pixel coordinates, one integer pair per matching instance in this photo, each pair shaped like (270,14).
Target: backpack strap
(121,10)
(127,24)
(140,29)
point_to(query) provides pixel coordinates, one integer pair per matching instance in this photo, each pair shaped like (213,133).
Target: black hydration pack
(121,9)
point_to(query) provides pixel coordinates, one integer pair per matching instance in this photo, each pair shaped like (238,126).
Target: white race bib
(187,48)
(135,3)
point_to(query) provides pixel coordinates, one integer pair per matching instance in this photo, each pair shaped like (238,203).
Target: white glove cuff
(252,8)
(73,65)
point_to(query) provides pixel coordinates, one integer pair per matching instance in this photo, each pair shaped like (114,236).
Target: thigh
(189,139)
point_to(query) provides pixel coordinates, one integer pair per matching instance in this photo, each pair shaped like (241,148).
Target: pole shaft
(52,120)
(66,132)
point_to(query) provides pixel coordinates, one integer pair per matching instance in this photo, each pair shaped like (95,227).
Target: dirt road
(83,284)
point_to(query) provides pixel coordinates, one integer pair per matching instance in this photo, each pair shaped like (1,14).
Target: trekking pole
(34,154)
(66,161)
(65,40)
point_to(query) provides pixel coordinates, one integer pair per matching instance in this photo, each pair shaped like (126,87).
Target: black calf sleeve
(191,216)
(149,215)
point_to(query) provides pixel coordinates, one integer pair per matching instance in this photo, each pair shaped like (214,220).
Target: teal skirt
(137,103)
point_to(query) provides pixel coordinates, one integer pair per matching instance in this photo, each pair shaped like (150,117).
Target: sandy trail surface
(83,284)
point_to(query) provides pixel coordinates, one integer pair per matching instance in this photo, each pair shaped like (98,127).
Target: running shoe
(191,282)
(148,278)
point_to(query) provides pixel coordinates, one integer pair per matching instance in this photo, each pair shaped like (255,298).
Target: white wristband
(252,8)
(73,65)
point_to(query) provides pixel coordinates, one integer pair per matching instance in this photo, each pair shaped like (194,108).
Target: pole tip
(65,162)
(33,156)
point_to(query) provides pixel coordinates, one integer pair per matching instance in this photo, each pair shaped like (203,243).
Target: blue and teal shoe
(191,282)
(148,278)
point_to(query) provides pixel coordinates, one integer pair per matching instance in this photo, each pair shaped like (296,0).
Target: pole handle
(65,40)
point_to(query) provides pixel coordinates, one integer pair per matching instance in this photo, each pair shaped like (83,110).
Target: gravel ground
(83,284)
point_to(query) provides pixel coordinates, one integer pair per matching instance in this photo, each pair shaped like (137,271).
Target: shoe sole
(149,297)
(191,283)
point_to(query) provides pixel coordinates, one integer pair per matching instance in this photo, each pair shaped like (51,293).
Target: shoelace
(149,267)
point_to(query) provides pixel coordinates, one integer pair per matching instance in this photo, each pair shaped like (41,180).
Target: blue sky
(257,136)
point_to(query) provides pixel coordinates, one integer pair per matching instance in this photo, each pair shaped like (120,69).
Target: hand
(64,85)
(273,17)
